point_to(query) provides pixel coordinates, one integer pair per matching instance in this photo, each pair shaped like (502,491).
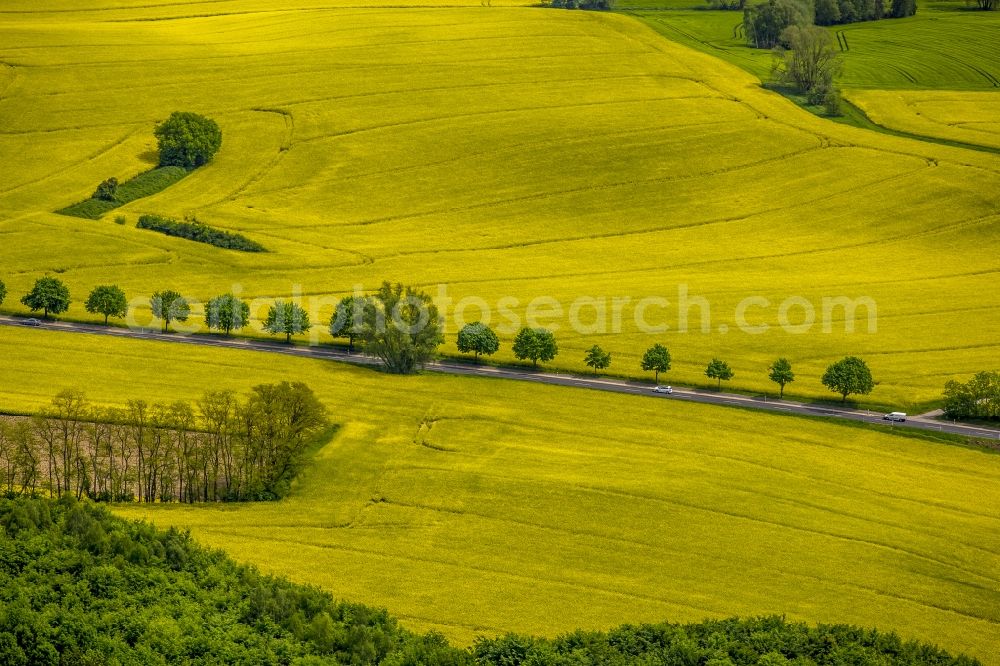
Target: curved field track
(506,152)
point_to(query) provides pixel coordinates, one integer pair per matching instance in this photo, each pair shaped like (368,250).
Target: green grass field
(945,47)
(504,152)
(475,506)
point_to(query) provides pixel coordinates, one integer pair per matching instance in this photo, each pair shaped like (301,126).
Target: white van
(898,417)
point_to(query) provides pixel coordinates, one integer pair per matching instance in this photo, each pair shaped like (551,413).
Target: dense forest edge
(79,585)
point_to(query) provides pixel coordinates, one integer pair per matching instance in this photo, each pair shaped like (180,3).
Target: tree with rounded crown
(49,295)
(348,320)
(535,344)
(169,306)
(719,370)
(656,359)
(227,313)
(478,338)
(187,140)
(288,318)
(849,375)
(108,300)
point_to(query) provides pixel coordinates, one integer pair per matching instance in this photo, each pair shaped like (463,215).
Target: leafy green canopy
(849,375)
(478,338)
(187,140)
(535,344)
(50,295)
(80,586)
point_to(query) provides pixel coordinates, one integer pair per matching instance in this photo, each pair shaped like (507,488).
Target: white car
(663,389)
(31,322)
(898,417)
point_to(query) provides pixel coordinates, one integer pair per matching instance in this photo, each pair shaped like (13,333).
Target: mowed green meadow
(507,153)
(476,506)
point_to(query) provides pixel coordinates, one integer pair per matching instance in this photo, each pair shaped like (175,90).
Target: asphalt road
(924,422)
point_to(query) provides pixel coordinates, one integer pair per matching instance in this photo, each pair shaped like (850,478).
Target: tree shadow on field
(150,157)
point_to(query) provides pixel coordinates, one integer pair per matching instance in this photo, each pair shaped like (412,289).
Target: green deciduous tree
(849,375)
(656,359)
(227,313)
(535,344)
(478,338)
(169,306)
(808,61)
(781,373)
(719,370)
(597,358)
(979,398)
(348,319)
(108,300)
(288,318)
(3,292)
(187,140)
(763,23)
(49,295)
(903,8)
(403,328)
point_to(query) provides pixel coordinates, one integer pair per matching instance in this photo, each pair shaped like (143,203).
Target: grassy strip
(145,184)
(200,233)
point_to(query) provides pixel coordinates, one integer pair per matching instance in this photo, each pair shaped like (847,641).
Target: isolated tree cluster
(224,447)
(187,140)
(807,60)
(194,230)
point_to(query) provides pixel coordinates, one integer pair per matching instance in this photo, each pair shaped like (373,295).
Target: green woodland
(80,586)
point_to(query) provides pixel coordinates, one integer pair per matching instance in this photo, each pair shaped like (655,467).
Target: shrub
(199,232)
(107,191)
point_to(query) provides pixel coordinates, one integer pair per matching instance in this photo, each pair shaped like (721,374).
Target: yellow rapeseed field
(475,506)
(508,153)
(969,117)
